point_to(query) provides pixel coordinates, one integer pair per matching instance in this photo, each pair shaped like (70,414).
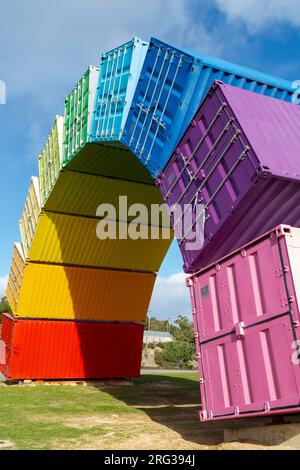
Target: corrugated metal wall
(119,73)
(73,240)
(79,107)
(81,194)
(30,214)
(84,294)
(50,159)
(172,85)
(79,350)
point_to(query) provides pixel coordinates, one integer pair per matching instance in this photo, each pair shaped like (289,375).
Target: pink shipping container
(51,349)
(246,312)
(239,164)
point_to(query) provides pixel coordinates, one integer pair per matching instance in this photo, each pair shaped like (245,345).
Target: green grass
(61,416)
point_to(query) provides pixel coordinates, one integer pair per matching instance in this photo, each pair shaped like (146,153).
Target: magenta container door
(246,318)
(239,160)
(252,373)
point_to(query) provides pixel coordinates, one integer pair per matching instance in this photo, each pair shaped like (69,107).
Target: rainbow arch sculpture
(79,302)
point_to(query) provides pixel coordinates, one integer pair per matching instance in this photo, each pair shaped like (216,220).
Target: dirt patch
(85,422)
(145,435)
(5,443)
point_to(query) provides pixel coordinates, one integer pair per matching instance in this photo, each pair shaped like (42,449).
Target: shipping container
(172,85)
(30,214)
(79,106)
(51,159)
(70,350)
(105,160)
(234,175)
(246,312)
(68,239)
(15,276)
(119,73)
(81,194)
(83,293)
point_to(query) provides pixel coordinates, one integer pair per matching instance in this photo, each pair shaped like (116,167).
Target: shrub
(177,354)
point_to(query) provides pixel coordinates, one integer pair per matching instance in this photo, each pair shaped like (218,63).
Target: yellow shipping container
(15,276)
(73,293)
(30,214)
(81,194)
(67,239)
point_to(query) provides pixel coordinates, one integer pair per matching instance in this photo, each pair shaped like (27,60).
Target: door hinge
(286,302)
(267,407)
(279,272)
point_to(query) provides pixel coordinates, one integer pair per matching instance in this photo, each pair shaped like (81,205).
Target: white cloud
(3,283)
(258,14)
(53,41)
(170,297)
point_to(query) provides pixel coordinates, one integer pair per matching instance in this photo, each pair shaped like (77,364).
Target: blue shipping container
(172,85)
(119,73)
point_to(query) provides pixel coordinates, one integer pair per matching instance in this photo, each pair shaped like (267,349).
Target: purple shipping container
(240,160)
(246,318)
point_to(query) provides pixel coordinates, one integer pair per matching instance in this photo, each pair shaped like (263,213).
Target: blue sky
(46,45)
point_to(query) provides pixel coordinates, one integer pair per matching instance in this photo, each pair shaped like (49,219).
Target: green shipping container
(80,153)
(79,106)
(50,160)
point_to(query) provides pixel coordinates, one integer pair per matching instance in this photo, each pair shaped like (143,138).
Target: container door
(78,113)
(4,358)
(7,329)
(113,79)
(2,353)
(24,236)
(34,202)
(253,370)
(166,74)
(247,287)
(15,277)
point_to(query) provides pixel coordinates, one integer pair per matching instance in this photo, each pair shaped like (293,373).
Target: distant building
(157,337)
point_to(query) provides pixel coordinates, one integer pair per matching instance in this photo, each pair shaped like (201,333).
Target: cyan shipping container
(120,69)
(172,85)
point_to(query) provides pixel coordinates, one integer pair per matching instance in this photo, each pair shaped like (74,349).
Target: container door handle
(240,330)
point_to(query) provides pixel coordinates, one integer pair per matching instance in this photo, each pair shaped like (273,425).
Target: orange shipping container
(68,239)
(78,293)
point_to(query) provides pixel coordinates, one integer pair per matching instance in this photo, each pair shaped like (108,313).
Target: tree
(154,324)
(181,352)
(183,330)
(4,306)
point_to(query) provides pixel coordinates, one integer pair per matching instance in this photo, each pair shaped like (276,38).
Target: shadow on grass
(174,401)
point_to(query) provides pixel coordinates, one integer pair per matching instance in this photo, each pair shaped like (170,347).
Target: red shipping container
(39,349)
(246,311)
